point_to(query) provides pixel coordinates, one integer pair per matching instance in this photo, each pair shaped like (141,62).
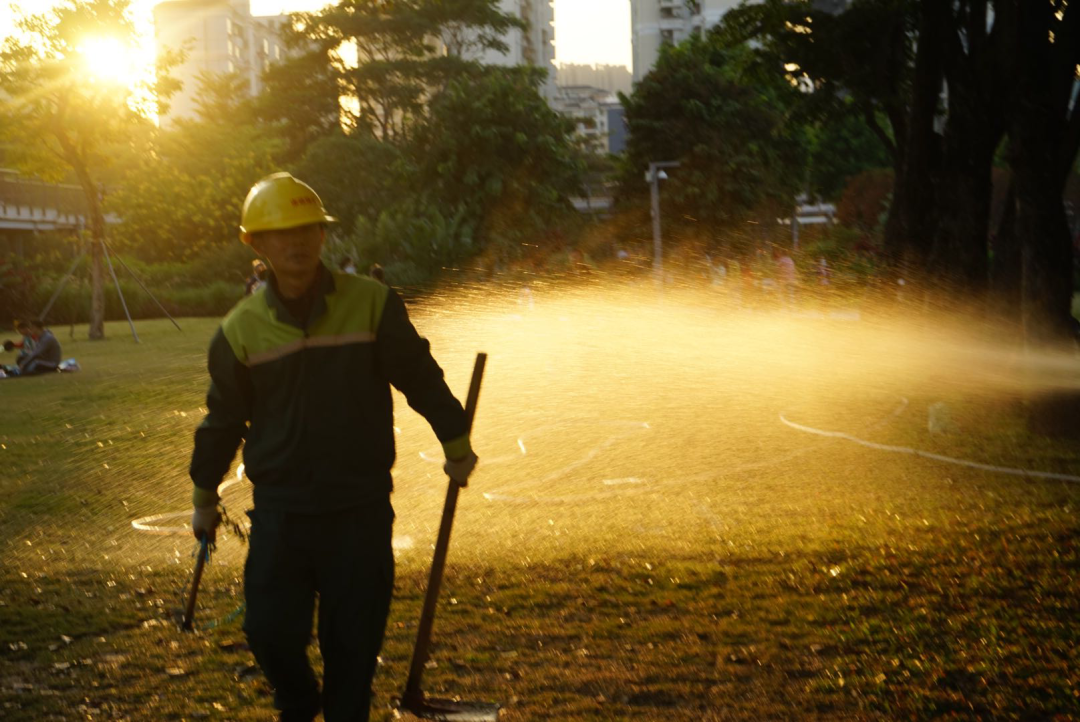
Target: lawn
(644,540)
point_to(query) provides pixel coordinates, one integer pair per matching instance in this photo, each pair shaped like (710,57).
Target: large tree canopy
(404,51)
(182,198)
(59,119)
(742,159)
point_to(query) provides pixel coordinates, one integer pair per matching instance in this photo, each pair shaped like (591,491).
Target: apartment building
(612,78)
(593,111)
(655,23)
(533,46)
(661,22)
(221,36)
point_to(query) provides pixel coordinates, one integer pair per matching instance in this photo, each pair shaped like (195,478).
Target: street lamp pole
(653,176)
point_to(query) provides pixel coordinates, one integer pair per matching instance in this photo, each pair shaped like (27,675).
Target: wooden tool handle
(413,691)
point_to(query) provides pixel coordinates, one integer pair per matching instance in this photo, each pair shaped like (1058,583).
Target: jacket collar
(324,285)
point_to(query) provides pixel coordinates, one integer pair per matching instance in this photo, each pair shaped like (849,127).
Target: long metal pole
(414,694)
(60,286)
(119,292)
(658,249)
(147,290)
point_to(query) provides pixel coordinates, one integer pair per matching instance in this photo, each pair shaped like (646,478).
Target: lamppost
(653,176)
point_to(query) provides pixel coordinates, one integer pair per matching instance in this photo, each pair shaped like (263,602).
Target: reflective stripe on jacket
(311,398)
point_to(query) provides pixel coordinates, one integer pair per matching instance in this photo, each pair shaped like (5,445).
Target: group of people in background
(765,275)
(259,275)
(38,350)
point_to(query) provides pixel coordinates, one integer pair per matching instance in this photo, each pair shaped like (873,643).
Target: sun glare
(109,60)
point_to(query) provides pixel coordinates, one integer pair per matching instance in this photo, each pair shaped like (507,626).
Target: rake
(414,700)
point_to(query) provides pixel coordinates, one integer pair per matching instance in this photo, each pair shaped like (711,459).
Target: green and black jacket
(311,398)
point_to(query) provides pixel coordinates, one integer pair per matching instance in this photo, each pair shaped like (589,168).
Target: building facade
(533,46)
(612,78)
(220,36)
(591,109)
(655,23)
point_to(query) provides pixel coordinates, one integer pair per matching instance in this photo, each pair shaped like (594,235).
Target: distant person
(823,271)
(257,279)
(44,356)
(376,272)
(785,276)
(347,266)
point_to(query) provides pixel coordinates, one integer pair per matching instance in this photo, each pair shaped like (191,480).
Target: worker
(301,372)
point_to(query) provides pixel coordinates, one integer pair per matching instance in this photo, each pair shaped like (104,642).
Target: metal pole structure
(60,286)
(652,176)
(147,290)
(119,292)
(658,248)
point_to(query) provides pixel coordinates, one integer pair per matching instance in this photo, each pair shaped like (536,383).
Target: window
(667,36)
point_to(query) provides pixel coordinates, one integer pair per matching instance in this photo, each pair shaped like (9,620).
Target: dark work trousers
(343,558)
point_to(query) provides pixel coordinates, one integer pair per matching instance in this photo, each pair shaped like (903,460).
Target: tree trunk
(910,227)
(1005,273)
(1041,78)
(97,290)
(97,234)
(959,255)
(1046,248)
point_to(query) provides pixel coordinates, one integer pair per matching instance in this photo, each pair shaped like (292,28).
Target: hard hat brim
(246,233)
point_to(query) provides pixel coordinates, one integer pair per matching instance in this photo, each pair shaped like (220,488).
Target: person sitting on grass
(44,356)
(24,344)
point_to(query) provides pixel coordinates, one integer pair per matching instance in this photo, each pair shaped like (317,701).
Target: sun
(110,60)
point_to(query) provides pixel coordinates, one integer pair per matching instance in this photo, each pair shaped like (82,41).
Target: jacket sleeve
(46,350)
(406,361)
(228,405)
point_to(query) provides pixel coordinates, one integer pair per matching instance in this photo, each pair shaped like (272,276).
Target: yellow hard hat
(278,202)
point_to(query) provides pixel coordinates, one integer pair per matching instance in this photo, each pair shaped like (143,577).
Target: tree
(405,51)
(182,198)
(742,157)
(929,69)
(356,177)
(300,95)
(493,146)
(58,118)
(1039,56)
(842,147)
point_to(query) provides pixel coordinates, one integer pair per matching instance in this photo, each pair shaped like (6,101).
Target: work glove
(459,469)
(204,522)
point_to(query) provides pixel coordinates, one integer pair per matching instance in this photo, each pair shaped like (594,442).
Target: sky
(577,39)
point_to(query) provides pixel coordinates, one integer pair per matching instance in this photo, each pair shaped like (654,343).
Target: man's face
(291,252)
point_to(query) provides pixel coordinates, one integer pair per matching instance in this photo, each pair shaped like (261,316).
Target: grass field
(646,539)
